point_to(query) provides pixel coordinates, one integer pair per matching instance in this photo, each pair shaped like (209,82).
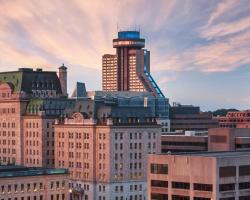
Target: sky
(200,50)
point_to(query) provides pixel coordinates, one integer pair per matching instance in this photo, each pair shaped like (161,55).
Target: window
(159,168)
(226,187)
(181,185)
(157,183)
(179,197)
(203,187)
(244,197)
(227,171)
(244,170)
(244,185)
(158,196)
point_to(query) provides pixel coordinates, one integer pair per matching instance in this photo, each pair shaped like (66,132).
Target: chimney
(63,79)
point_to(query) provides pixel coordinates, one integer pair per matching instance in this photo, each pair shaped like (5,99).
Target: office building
(237,119)
(105,146)
(229,139)
(31,183)
(199,176)
(217,139)
(183,143)
(129,68)
(190,118)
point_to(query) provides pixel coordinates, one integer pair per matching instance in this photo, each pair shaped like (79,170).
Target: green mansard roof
(26,80)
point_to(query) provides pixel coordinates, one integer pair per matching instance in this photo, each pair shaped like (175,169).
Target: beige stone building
(30,101)
(107,160)
(22,183)
(200,176)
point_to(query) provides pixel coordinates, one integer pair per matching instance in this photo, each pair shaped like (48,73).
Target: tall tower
(129,69)
(63,79)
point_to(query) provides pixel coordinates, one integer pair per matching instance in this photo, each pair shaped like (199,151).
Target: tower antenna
(117,27)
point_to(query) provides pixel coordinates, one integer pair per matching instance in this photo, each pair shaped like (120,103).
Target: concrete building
(30,101)
(105,145)
(183,143)
(190,118)
(129,69)
(22,183)
(229,139)
(217,139)
(199,176)
(240,119)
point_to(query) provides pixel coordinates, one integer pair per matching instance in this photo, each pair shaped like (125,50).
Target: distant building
(109,72)
(22,183)
(183,143)
(217,139)
(190,118)
(105,145)
(237,119)
(199,176)
(129,68)
(229,139)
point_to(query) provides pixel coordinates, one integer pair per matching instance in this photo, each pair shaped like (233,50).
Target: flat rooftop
(8,171)
(217,154)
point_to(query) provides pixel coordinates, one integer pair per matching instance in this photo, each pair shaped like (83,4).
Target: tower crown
(130,39)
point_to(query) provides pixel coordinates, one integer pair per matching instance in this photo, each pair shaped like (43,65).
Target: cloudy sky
(200,50)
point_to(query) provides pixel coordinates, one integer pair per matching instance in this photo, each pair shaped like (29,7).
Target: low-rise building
(217,139)
(190,118)
(31,183)
(229,139)
(199,176)
(237,119)
(183,143)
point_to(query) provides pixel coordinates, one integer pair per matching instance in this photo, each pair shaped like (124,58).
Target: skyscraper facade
(129,69)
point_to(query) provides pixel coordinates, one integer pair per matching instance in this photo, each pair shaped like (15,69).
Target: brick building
(239,119)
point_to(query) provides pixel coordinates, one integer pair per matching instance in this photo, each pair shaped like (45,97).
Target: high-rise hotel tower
(129,69)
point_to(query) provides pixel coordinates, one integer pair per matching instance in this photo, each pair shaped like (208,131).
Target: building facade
(30,101)
(23,183)
(190,118)
(239,119)
(199,176)
(217,139)
(129,69)
(105,148)
(229,139)
(183,143)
